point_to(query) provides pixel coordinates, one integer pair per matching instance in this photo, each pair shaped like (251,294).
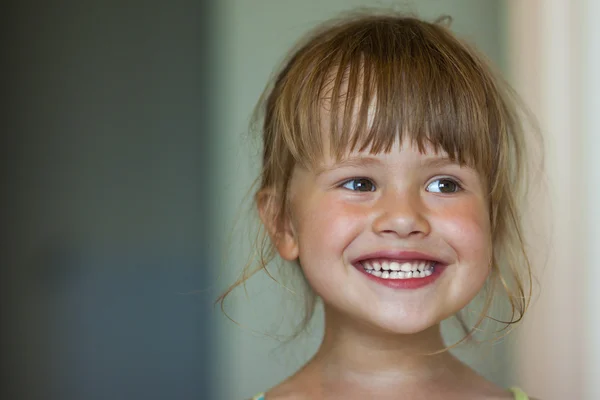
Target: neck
(354,357)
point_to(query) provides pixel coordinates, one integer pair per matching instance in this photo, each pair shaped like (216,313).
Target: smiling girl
(392,166)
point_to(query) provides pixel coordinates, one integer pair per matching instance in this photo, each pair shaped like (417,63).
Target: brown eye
(444,185)
(359,185)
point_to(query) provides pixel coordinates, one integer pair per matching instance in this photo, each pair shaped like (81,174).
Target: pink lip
(412,283)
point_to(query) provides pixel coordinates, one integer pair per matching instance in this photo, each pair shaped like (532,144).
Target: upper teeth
(406,266)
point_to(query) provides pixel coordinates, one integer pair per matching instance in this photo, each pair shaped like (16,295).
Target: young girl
(392,167)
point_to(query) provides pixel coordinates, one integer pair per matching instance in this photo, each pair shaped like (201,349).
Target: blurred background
(128,165)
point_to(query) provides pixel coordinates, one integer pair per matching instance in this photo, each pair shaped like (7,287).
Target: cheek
(325,228)
(467,228)
(327,223)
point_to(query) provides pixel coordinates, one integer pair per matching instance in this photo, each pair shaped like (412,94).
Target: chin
(407,327)
(403,324)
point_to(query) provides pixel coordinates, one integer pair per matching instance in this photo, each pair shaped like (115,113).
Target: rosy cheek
(467,225)
(331,218)
(470,210)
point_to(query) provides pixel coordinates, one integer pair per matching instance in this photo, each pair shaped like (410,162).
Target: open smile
(398,269)
(404,271)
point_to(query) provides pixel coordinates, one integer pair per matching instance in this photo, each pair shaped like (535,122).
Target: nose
(401,215)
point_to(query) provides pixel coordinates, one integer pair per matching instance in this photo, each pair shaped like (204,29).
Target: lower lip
(410,283)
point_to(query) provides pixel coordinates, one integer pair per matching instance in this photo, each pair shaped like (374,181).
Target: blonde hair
(426,86)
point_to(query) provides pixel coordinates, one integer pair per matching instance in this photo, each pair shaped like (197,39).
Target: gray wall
(253,38)
(105,220)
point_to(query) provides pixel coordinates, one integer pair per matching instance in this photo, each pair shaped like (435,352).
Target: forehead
(355,119)
(406,151)
(355,112)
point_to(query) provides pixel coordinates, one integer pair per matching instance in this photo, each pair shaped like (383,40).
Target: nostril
(395,232)
(401,224)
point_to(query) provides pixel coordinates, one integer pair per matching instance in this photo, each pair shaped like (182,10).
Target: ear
(279,227)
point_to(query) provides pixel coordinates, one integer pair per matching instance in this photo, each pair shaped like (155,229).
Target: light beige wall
(554,57)
(253,36)
(589,84)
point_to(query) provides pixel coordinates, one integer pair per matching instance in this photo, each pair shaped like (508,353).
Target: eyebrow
(349,162)
(365,161)
(438,162)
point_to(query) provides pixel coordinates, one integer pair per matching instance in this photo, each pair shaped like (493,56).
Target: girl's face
(354,223)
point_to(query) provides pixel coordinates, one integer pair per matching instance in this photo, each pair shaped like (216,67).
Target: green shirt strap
(519,394)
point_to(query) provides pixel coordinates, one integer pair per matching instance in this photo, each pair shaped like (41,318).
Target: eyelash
(456,182)
(459,186)
(347,181)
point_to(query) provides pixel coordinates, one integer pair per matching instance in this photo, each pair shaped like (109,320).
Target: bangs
(367,84)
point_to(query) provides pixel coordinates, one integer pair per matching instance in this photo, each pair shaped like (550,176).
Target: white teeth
(396,270)
(394,266)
